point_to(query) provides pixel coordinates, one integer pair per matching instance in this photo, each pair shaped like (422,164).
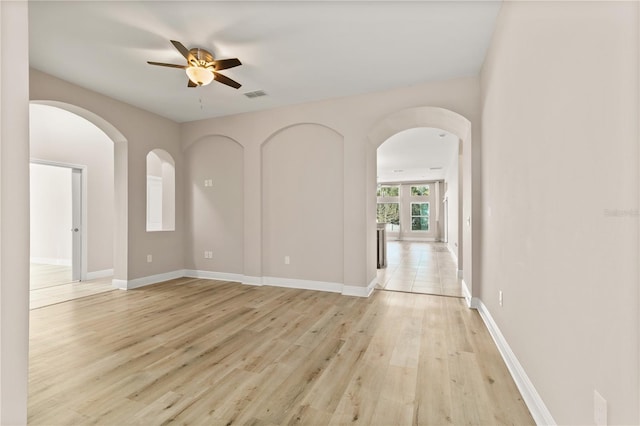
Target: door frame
(79,199)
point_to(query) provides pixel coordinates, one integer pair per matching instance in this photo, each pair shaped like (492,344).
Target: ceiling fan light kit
(200,76)
(202,68)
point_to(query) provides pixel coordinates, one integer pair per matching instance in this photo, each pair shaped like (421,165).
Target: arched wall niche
(302,174)
(161,191)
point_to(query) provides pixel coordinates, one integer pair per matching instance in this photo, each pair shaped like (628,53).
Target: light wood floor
(50,284)
(420,267)
(44,275)
(195,351)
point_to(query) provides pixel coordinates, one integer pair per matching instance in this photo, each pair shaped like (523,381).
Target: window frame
(428,215)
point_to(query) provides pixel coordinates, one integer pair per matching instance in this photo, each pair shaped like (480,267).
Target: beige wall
(303,204)
(560,200)
(143,132)
(214,216)
(14,212)
(353,118)
(59,136)
(453,196)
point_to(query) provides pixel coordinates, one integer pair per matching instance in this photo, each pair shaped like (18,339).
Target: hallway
(420,267)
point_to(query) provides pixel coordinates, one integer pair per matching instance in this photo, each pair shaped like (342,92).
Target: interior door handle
(74,230)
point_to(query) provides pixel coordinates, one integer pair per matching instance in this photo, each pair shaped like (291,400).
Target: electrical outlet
(208,182)
(149,258)
(500,297)
(210,255)
(287,260)
(599,409)
(206,254)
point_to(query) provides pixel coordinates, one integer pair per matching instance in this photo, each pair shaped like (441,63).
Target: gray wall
(560,200)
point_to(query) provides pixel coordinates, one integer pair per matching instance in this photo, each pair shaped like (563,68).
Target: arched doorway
(451,122)
(418,199)
(120,152)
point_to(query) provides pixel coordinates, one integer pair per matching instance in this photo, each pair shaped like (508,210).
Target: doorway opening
(417,171)
(73,220)
(415,212)
(57,226)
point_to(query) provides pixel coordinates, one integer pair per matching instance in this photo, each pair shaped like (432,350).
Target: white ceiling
(418,154)
(296,51)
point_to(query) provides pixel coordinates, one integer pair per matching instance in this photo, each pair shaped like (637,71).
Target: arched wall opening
(71,190)
(120,179)
(450,122)
(214,194)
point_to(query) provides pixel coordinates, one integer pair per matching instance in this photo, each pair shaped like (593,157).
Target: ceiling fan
(201,67)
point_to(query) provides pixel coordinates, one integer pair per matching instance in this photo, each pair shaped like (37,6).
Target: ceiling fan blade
(183,51)
(167,65)
(226,80)
(224,64)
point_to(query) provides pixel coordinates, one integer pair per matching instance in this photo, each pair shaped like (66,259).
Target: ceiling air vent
(255,94)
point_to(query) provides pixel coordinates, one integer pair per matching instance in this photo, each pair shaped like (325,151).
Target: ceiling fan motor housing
(203,57)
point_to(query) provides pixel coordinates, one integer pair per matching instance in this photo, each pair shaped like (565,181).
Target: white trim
(331,287)
(50,261)
(534,402)
(144,281)
(303,284)
(212,275)
(119,284)
(455,256)
(99,274)
(249,280)
(460,275)
(84,207)
(352,290)
(472,302)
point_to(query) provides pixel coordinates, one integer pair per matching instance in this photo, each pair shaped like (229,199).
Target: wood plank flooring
(192,351)
(50,284)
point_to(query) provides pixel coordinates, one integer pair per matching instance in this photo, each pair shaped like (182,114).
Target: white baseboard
(249,280)
(51,261)
(152,279)
(534,402)
(99,274)
(352,290)
(472,302)
(211,275)
(455,257)
(303,284)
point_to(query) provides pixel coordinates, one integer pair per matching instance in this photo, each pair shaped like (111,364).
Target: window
(389,213)
(161,191)
(420,191)
(388,190)
(419,216)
